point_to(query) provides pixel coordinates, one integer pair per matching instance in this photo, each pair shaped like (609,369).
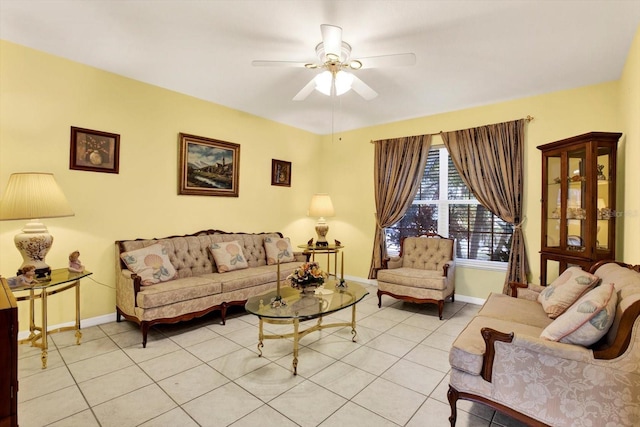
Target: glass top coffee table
(300,306)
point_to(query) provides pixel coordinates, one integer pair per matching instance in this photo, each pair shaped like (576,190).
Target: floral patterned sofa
(178,278)
(516,359)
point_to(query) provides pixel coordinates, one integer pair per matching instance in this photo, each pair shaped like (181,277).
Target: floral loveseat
(178,278)
(514,358)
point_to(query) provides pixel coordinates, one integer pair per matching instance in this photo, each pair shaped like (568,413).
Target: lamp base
(322,229)
(34,243)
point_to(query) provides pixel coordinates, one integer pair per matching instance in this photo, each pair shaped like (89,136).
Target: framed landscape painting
(95,151)
(208,167)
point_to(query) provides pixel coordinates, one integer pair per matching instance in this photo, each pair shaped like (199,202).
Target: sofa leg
(452,395)
(440,308)
(118,316)
(144,327)
(223,313)
(379,298)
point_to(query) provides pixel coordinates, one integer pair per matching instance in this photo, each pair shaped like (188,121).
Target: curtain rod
(529,118)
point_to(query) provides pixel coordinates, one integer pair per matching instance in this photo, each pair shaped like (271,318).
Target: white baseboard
(470,300)
(84,323)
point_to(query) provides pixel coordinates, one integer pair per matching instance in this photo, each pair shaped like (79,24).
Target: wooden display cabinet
(8,357)
(578,202)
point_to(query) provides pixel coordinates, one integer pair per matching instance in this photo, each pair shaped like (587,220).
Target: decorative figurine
(27,276)
(74,262)
(601,176)
(310,242)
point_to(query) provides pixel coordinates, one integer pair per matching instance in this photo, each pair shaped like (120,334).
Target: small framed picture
(208,167)
(94,150)
(280,173)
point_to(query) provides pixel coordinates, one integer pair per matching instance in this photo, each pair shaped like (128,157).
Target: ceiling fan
(334,55)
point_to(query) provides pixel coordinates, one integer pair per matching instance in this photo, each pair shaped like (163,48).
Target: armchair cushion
(565,290)
(415,278)
(586,321)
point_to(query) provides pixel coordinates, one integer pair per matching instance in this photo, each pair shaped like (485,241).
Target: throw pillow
(228,256)
(586,321)
(565,290)
(151,264)
(278,249)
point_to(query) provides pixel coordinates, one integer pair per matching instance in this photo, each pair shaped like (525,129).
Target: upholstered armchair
(424,272)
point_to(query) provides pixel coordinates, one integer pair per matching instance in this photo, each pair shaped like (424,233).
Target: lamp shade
(33,195)
(321,206)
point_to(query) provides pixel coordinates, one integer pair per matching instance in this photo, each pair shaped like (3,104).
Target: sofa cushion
(171,292)
(565,290)
(413,277)
(505,307)
(151,263)
(586,321)
(228,256)
(278,249)
(467,351)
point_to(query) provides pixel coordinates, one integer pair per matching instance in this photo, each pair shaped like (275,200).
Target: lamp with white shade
(33,196)
(321,207)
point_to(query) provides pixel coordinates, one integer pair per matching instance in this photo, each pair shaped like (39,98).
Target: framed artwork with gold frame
(208,167)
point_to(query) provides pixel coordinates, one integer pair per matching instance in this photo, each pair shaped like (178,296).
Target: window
(443,202)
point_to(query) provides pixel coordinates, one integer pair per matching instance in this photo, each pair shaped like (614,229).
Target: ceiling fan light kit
(334,55)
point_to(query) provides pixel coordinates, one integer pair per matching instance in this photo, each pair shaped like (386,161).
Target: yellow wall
(557,115)
(630,114)
(42,96)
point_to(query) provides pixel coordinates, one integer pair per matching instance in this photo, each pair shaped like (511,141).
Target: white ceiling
(468,53)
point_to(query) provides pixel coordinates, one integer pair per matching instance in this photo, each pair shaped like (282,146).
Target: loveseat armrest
(393,262)
(527,291)
(528,344)
(128,285)
(447,267)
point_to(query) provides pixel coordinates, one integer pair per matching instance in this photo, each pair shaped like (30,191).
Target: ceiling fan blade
(278,64)
(396,60)
(331,39)
(363,89)
(305,91)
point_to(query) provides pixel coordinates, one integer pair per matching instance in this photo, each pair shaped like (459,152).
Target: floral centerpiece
(308,275)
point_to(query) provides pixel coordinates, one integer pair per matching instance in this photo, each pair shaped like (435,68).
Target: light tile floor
(201,373)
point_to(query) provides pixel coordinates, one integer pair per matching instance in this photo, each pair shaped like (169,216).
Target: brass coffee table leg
(260,338)
(296,338)
(353,323)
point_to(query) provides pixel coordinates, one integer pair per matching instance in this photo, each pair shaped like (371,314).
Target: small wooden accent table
(60,280)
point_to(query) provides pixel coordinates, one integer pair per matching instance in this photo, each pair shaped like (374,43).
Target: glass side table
(60,280)
(311,250)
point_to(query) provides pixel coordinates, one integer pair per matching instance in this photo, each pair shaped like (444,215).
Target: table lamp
(33,196)
(321,207)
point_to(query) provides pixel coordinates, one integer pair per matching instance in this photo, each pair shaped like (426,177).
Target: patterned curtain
(490,160)
(398,168)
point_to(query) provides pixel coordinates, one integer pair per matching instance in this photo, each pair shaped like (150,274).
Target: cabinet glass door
(604,214)
(554,197)
(576,213)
